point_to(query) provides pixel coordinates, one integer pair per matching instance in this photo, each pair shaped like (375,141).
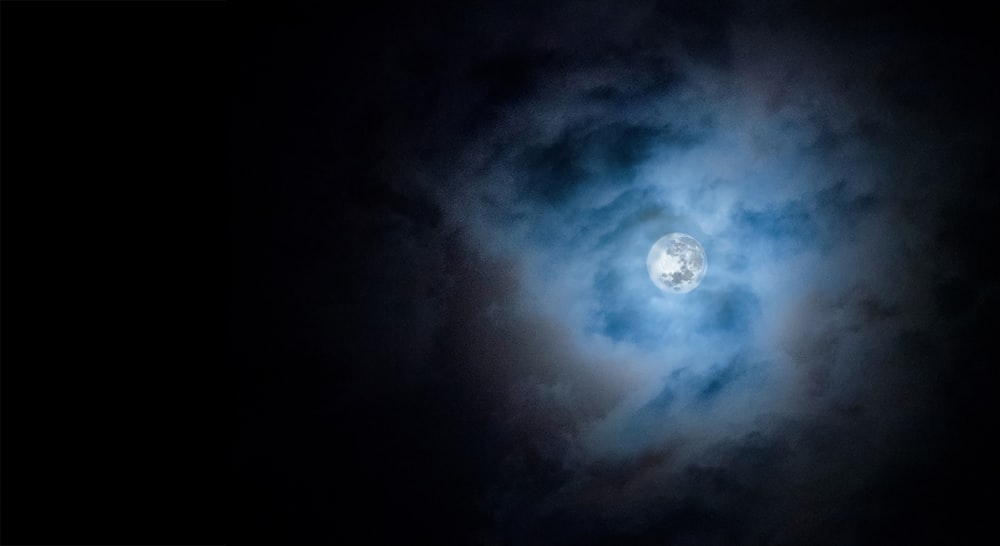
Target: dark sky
(443,328)
(439,323)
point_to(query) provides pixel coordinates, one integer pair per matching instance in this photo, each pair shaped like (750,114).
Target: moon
(677,263)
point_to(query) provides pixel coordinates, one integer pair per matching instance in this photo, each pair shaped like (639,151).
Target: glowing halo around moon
(677,263)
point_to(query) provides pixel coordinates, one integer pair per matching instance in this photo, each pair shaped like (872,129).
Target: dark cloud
(459,321)
(734,310)
(788,228)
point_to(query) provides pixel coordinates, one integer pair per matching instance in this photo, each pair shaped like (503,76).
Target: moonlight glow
(439,286)
(676,263)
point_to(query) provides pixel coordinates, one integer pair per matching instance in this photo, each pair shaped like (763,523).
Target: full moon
(676,263)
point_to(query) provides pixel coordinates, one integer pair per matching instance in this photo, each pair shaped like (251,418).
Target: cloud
(528,172)
(784,369)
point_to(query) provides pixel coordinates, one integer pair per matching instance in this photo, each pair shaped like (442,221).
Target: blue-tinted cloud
(781,157)
(452,294)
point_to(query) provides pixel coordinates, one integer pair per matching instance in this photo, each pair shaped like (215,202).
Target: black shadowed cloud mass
(443,325)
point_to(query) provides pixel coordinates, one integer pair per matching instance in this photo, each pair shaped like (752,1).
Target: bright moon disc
(677,263)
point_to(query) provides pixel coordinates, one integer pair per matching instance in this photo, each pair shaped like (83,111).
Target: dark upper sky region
(442,325)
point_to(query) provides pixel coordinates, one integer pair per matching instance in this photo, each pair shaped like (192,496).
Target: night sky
(443,325)
(440,326)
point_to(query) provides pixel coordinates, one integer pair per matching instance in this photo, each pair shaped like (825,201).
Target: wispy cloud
(768,147)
